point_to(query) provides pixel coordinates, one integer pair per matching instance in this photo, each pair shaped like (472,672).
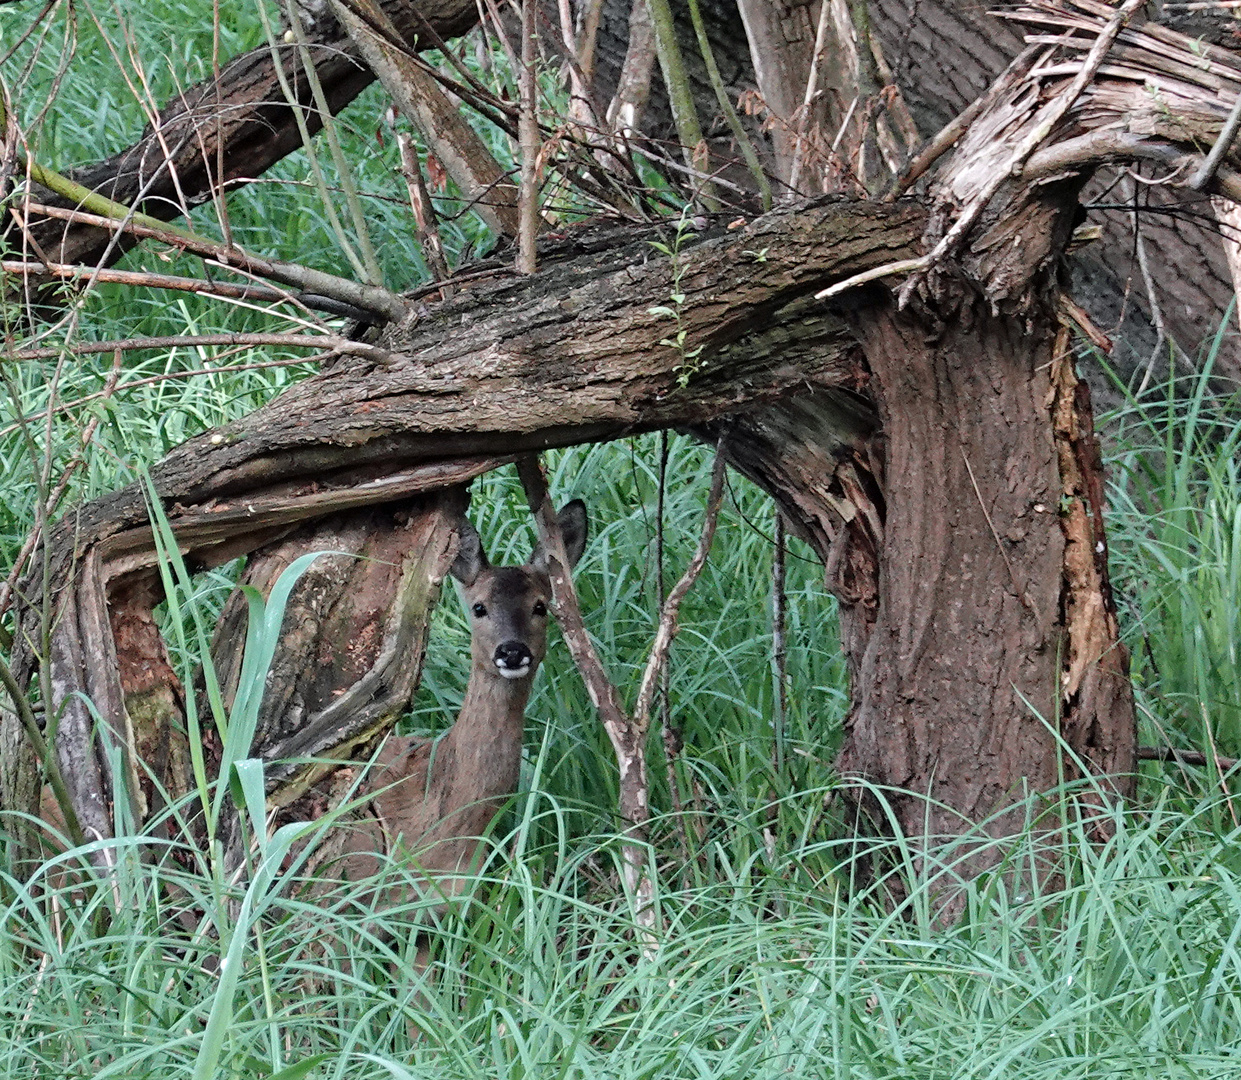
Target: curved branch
(240,119)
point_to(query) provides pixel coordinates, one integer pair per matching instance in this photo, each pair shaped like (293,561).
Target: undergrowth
(772,960)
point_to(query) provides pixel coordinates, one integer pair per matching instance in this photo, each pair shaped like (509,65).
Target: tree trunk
(966,695)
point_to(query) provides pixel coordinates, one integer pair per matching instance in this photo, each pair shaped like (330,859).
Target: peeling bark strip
(1097,717)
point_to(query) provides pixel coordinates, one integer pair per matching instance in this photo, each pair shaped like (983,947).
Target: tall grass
(769,964)
(770,969)
(1176,503)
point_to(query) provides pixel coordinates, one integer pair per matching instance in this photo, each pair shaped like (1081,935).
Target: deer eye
(479,610)
(540,608)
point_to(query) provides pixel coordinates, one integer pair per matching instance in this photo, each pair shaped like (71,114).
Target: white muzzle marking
(514,672)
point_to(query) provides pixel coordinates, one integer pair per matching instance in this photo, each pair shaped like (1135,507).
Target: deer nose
(513,659)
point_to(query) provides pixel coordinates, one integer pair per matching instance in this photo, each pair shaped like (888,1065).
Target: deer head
(508,605)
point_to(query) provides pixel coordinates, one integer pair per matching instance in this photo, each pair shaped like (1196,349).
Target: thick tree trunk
(966,687)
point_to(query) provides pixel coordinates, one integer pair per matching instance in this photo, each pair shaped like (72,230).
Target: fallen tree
(935,447)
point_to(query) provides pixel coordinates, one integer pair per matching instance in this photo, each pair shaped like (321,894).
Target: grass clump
(1128,963)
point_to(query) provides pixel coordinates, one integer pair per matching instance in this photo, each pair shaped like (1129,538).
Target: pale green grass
(772,969)
(1176,504)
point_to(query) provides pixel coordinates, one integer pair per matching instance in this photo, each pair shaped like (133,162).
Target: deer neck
(493,703)
(487,735)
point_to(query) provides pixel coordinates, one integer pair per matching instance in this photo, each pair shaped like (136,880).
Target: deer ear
(573,528)
(470,560)
(572,522)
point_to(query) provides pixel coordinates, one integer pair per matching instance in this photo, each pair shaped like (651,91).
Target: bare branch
(528,199)
(421,101)
(667,629)
(424,212)
(1185,757)
(633,88)
(366,297)
(624,734)
(301,341)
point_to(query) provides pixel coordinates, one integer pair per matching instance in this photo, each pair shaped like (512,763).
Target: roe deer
(434,798)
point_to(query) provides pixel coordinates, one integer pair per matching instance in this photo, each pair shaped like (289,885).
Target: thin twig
(779,653)
(669,735)
(300,341)
(667,629)
(138,278)
(630,753)
(887,270)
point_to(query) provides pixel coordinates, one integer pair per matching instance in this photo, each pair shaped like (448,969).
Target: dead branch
(255,130)
(332,342)
(425,219)
(528,199)
(138,278)
(368,298)
(1048,117)
(623,733)
(667,628)
(950,134)
(420,99)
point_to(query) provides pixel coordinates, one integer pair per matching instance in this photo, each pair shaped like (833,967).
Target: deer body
(433,799)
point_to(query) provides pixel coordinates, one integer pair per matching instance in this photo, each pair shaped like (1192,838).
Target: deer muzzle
(513,659)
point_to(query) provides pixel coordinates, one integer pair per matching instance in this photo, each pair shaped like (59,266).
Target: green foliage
(772,967)
(689,363)
(1176,501)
